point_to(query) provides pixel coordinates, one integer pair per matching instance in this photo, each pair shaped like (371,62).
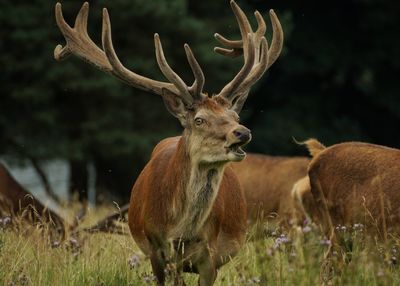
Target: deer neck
(200,185)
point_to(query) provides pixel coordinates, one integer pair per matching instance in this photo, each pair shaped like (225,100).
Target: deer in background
(354,183)
(187,208)
(267,183)
(15,201)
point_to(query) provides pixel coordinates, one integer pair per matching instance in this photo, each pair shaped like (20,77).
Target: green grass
(28,257)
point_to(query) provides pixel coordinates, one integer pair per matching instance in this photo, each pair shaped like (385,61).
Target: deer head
(211,123)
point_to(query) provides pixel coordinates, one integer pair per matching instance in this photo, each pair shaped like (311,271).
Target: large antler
(81,45)
(253,44)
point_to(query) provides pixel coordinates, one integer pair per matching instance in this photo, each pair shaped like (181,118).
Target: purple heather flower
(325,242)
(134,261)
(55,244)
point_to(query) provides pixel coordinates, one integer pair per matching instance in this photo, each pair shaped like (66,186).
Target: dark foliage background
(337,80)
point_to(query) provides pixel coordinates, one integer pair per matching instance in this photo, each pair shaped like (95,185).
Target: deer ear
(175,105)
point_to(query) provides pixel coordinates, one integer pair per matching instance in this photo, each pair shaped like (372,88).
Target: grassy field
(28,257)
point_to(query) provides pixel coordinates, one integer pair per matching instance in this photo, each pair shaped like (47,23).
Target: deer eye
(199,121)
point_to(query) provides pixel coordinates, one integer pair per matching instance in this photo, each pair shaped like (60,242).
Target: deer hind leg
(296,210)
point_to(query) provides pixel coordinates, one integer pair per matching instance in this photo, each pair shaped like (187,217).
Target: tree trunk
(78,179)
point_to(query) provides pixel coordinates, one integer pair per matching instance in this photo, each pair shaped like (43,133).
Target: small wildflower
(380,273)
(74,246)
(147,278)
(253,280)
(4,221)
(134,261)
(270,252)
(73,242)
(325,242)
(282,239)
(306,229)
(23,279)
(55,244)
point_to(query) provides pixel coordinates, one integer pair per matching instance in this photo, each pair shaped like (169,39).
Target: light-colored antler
(81,45)
(238,89)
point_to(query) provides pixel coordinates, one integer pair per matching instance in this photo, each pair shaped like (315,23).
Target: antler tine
(262,27)
(82,18)
(233,53)
(197,72)
(236,44)
(244,25)
(169,73)
(277,40)
(229,90)
(61,52)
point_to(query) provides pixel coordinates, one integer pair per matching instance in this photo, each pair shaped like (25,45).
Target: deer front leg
(158,265)
(207,270)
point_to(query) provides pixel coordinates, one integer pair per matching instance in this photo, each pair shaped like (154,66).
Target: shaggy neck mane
(199,188)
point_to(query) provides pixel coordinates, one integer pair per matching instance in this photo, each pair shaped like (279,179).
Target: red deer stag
(355,183)
(16,201)
(186,208)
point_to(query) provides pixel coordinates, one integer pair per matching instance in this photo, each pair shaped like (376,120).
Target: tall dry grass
(29,256)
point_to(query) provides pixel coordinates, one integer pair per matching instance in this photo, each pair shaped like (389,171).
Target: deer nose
(242,133)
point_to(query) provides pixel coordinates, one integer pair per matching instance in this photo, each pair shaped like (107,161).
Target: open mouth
(236,149)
